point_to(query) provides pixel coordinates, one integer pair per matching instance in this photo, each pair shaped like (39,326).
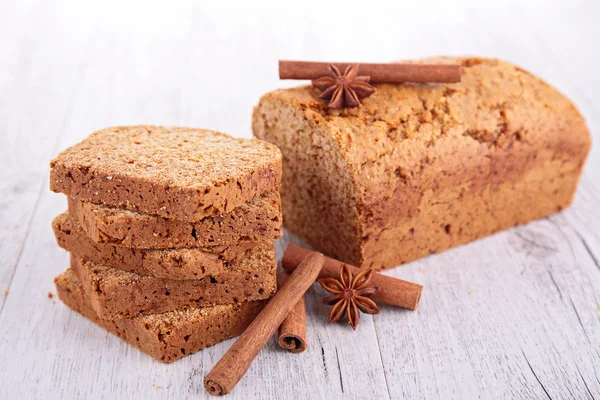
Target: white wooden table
(515,315)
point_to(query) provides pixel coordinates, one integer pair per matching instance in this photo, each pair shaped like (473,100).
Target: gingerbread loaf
(167,336)
(257,220)
(179,173)
(115,293)
(184,263)
(420,168)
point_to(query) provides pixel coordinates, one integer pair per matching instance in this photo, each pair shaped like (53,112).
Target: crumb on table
(50,295)
(5,292)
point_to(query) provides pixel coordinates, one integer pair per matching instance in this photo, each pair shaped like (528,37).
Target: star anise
(344,90)
(350,295)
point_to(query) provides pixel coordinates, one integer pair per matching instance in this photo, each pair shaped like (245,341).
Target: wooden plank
(519,330)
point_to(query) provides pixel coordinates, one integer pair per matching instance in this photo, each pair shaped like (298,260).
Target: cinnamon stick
(391,291)
(234,364)
(292,331)
(379,73)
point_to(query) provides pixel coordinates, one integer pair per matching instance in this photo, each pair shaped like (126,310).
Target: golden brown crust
(257,220)
(167,336)
(411,143)
(115,293)
(180,173)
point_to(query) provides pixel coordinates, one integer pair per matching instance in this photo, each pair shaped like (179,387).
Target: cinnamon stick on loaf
(393,291)
(379,73)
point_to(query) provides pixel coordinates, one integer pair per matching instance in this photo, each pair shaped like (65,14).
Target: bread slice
(167,336)
(185,263)
(115,293)
(257,220)
(180,173)
(418,169)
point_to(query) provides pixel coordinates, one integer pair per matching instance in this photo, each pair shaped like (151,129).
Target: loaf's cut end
(167,336)
(180,173)
(257,220)
(176,263)
(420,168)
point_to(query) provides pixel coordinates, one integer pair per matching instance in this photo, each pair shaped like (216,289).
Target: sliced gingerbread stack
(171,233)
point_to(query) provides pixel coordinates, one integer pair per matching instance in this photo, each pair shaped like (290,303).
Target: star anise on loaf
(350,294)
(344,90)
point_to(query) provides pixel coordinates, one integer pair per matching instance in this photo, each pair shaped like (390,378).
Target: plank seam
(585,383)
(323,357)
(535,375)
(589,250)
(555,284)
(337,357)
(580,322)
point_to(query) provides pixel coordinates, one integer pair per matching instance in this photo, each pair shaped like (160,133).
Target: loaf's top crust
(496,104)
(408,138)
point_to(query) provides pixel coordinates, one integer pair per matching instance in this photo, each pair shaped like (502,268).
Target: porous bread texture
(179,173)
(115,293)
(257,220)
(420,168)
(181,263)
(168,336)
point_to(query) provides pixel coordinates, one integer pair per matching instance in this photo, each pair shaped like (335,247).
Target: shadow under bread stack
(171,233)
